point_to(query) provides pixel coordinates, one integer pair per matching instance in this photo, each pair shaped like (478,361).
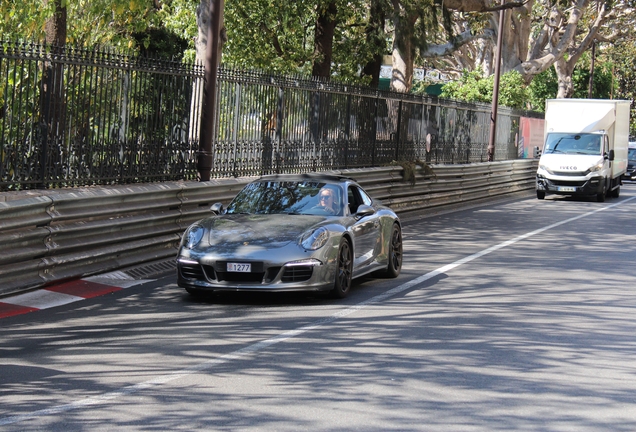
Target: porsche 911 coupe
(304,232)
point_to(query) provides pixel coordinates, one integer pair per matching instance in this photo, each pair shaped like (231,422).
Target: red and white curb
(67,292)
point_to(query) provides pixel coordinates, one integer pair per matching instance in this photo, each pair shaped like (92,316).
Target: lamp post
(495,92)
(205,155)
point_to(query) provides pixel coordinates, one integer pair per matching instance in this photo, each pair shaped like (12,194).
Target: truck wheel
(600,197)
(540,194)
(616,192)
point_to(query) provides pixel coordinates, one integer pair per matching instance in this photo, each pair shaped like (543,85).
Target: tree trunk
(323,40)
(376,39)
(564,78)
(55,27)
(52,156)
(403,51)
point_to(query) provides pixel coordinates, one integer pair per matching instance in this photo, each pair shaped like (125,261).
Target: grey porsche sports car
(305,232)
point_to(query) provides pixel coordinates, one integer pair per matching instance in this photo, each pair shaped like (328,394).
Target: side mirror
(217,208)
(611,155)
(364,211)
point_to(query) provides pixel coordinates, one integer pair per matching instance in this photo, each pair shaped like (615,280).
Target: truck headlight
(596,168)
(546,169)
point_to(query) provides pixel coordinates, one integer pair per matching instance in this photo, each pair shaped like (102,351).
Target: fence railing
(76,117)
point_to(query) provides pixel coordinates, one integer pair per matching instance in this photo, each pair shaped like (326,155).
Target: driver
(326,200)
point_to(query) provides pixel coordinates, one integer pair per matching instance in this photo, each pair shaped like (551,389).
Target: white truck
(585,148)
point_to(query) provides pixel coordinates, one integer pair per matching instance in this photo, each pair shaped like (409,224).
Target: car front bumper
(285,269)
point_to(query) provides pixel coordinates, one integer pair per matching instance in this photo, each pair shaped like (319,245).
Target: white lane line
(259,346)
(42,299)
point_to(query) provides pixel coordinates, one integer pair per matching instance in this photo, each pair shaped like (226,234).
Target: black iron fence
(76,117)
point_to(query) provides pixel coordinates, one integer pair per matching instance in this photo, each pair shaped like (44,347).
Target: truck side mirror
(611,155)
(536,152)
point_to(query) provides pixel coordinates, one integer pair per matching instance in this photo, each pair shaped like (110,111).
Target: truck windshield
(586,144)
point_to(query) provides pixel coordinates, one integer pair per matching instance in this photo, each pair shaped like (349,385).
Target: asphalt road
(515,316)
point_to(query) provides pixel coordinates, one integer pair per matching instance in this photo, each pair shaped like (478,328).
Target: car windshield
(631,155)
(585,144)
(292,197)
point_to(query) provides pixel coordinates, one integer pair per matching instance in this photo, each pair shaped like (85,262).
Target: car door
(366,230)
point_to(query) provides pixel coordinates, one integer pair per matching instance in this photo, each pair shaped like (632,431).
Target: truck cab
(575,164)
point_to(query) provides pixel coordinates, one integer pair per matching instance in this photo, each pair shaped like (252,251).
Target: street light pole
(205,155)
(495,92)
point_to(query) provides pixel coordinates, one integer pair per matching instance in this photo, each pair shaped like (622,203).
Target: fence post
(375,130)
(279,128)
(347,131)
(397,132)
(237,112)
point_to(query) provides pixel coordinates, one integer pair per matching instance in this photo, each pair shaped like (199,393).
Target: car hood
(573,162)
(259,230)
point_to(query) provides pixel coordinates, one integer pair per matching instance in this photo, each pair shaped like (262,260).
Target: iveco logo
(568,168)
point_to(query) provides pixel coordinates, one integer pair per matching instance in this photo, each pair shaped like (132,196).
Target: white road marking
(259,346)
(42,299)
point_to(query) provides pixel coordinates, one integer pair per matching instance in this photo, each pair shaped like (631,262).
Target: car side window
(366,199)
(352,199)
(357,197)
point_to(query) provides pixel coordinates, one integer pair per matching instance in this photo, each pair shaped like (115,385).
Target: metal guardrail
(70,234)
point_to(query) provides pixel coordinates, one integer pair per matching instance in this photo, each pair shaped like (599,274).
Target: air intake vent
(191,271)
(297,273)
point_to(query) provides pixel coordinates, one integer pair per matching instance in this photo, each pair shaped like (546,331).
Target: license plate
(239,267)
(566,189)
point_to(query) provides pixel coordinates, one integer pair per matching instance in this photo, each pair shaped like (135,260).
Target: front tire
(600,197)
(540,194)
(395,253)
(344,270)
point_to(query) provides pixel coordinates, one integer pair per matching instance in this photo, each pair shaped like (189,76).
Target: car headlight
(546,169)
(314,240)
(596,168)
(193,236)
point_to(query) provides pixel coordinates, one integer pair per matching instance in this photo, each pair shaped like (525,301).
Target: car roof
(321,177)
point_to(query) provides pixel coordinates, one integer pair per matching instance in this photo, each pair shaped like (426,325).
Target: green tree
(474,87)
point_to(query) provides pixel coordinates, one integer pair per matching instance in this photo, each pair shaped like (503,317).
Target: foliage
(278,37)
(179,18)
(410,168)
(473,87)
(90,23)
(161,43)
(545,86)
(621,57)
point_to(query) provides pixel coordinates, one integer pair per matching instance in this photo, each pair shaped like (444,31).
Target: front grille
(191,271)
(297,273)
(568,183)
(570,173)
